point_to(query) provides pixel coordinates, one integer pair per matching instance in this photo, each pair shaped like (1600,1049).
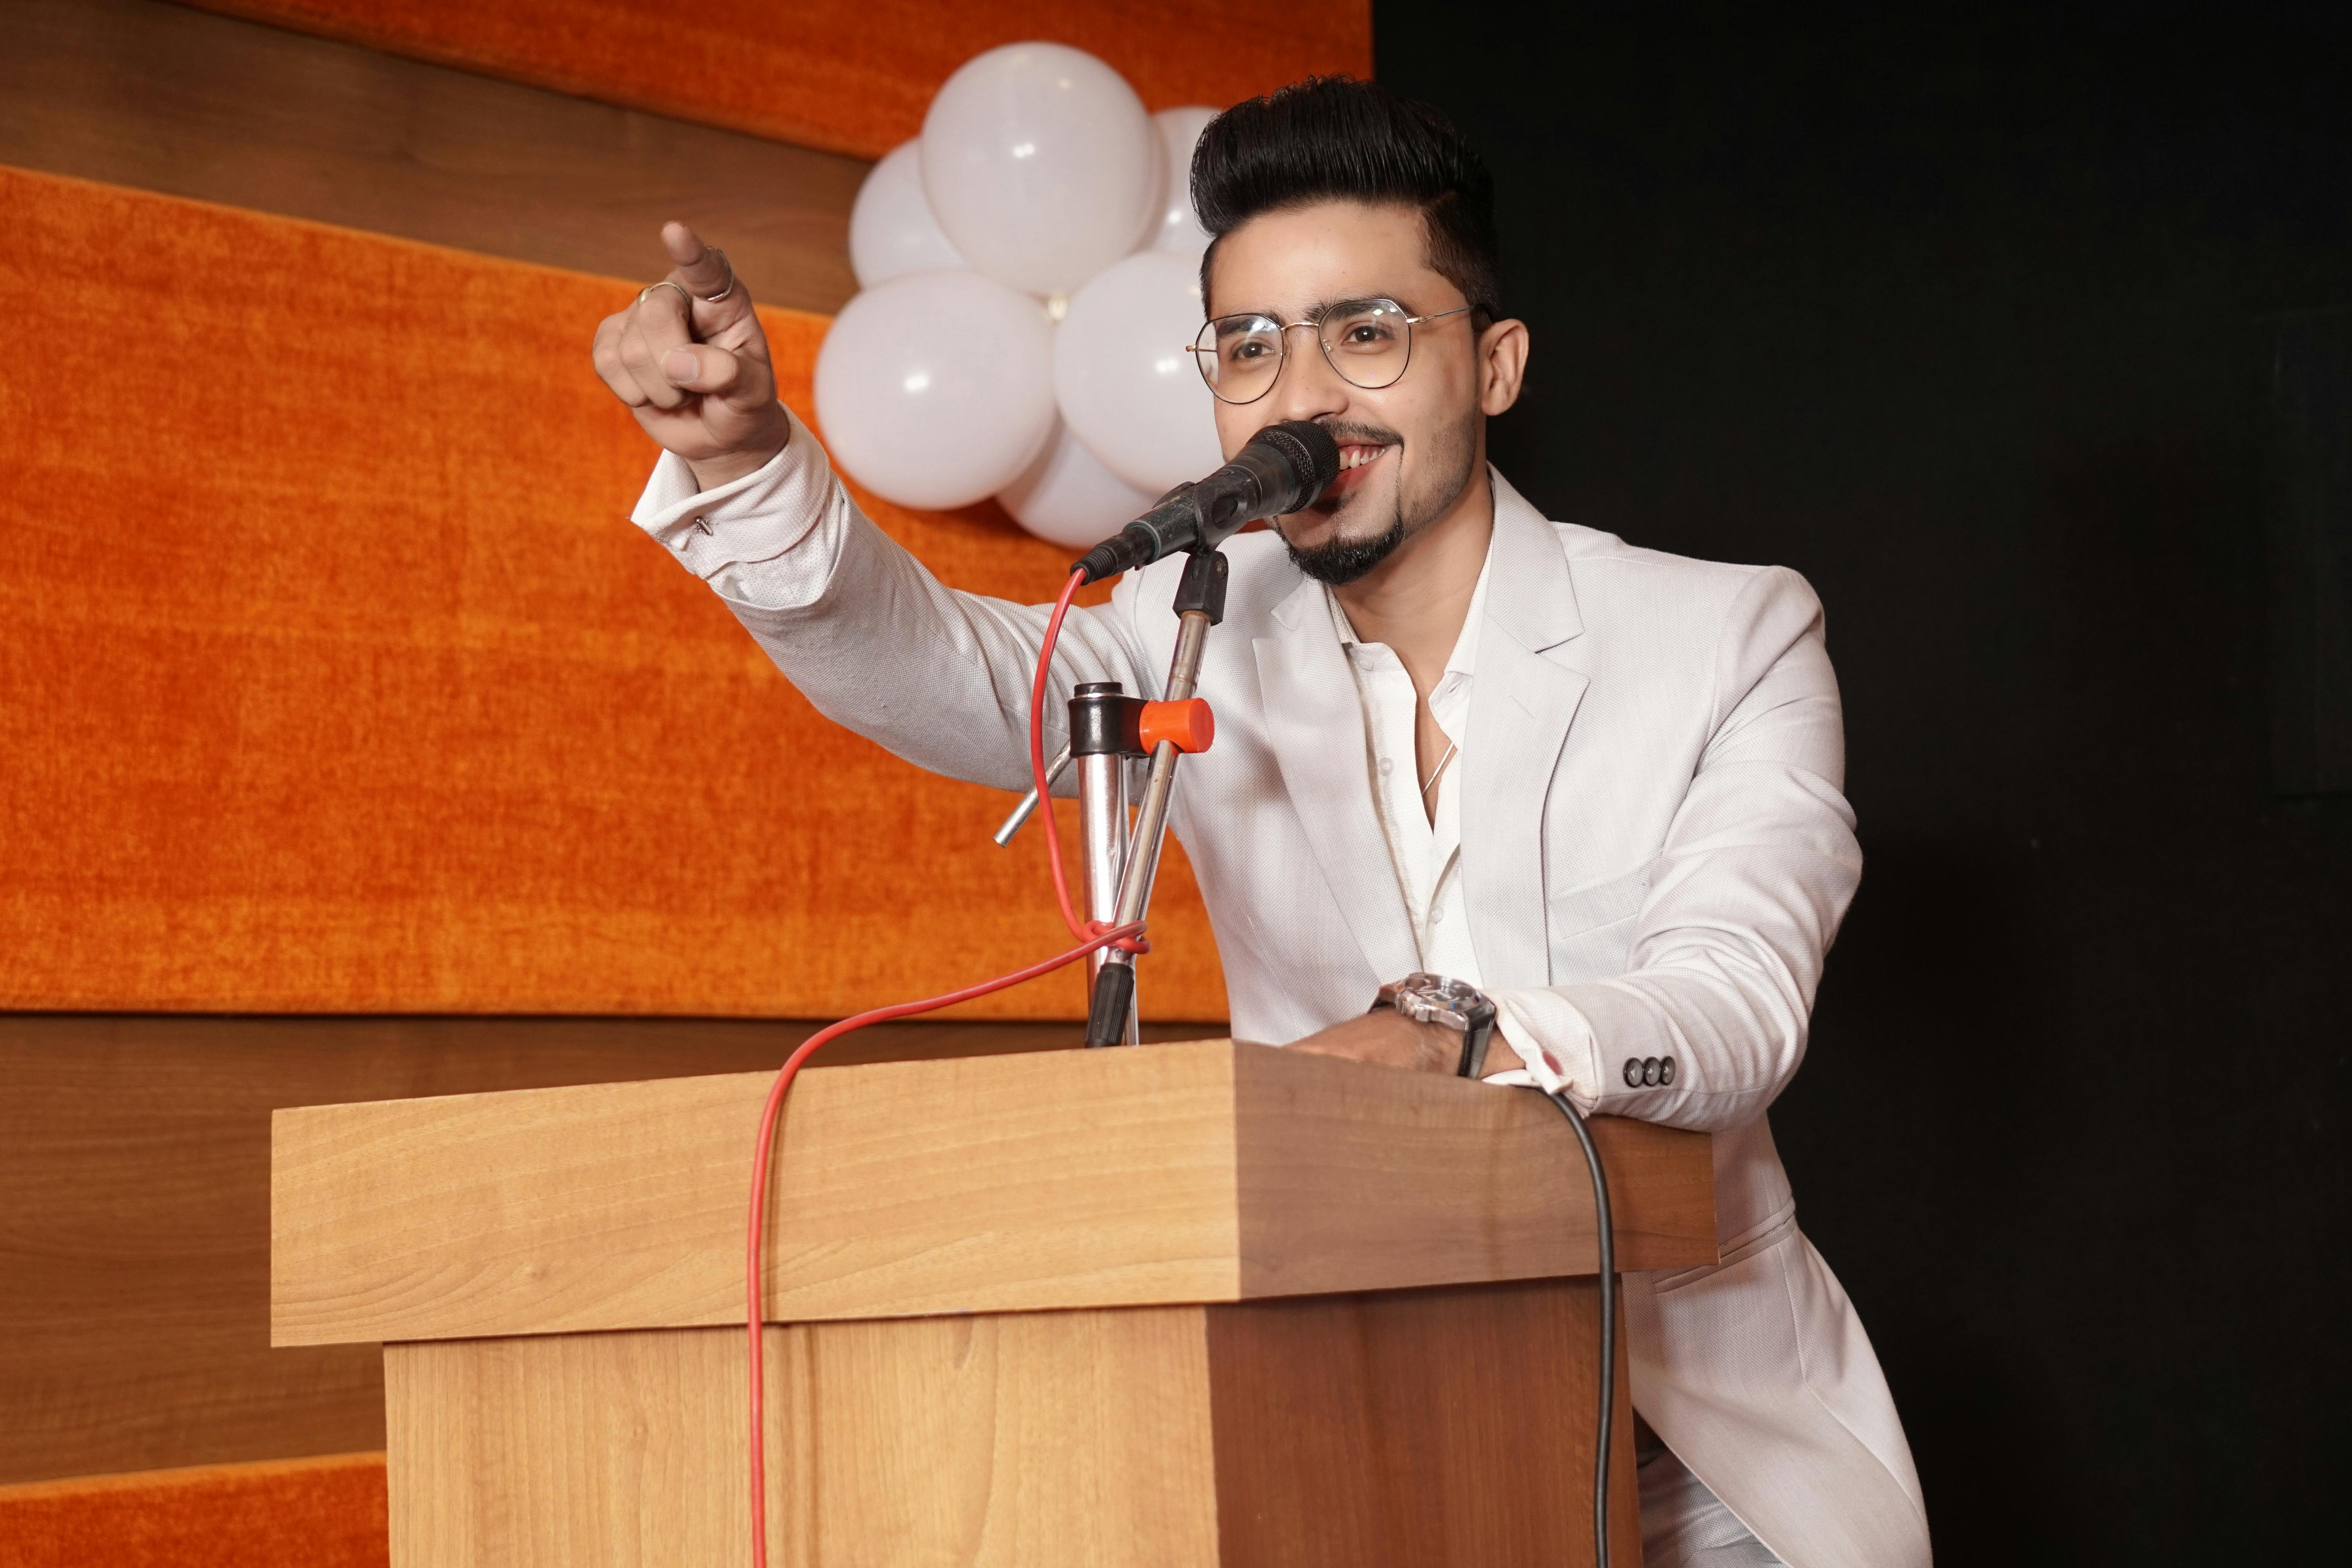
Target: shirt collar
(1464,660)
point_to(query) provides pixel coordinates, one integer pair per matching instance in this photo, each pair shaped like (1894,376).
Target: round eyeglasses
(1368,342)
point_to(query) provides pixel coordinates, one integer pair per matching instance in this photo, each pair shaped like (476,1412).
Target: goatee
(1340,562)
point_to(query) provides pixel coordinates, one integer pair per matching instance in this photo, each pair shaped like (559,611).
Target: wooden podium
(1188,1305)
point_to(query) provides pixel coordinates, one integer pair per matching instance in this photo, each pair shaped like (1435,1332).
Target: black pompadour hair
(1336,138)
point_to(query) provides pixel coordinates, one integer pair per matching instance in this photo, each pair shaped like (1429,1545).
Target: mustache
(1347,431)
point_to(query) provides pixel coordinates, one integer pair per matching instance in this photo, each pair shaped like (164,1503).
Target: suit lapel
(1315,724)
(1521,705)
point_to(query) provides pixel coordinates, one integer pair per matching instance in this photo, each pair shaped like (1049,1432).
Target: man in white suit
(1597,785)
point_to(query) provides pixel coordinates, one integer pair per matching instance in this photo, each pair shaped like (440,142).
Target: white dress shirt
(1426,846)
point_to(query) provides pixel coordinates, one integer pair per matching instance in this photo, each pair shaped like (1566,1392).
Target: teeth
(1357,457)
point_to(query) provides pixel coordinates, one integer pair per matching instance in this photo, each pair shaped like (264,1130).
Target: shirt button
(1387,768)
(1437,914)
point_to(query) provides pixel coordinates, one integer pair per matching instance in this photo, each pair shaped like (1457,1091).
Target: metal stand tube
(1103,831)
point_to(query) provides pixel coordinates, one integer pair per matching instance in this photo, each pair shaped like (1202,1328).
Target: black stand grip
(1114,999)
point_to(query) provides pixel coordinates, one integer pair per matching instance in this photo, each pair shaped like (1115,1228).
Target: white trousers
(1683,1525)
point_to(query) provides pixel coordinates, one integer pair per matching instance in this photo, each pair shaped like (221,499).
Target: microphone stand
(1122,862)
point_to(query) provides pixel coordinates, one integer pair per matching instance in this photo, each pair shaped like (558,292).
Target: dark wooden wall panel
(164,99)
(134,1206)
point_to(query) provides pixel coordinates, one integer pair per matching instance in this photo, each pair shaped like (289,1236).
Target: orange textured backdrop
(338,681)
(292,1513)
(851,75)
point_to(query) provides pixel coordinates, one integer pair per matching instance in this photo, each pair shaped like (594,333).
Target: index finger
(705,272)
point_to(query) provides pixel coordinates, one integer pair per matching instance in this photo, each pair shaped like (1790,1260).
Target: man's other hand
(1389,1039)
(694,369)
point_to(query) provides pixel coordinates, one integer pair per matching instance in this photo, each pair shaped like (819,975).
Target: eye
(1366,334)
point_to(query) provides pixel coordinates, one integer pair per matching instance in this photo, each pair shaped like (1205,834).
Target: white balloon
(1041,165)
(891,229)
(936,389)
(1067,497)
(1179,228)
(1125,379)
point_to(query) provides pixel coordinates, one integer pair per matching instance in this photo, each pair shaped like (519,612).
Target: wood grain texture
(165,98)
(134,1207)
(1095,1178)
(1402,1429)
(851,74)
(1367,1177)
(1196,1173)
(996,1441)
(1417,1428)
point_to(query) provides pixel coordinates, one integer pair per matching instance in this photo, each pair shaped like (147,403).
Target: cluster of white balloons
(1030,273)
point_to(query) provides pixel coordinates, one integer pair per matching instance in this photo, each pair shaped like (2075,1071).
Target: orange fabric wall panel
(338,680)
(851,75)
(290,1513)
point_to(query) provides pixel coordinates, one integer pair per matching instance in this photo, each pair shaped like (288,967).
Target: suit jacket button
(1633,1072)
(1649,1072)
(1665,1070)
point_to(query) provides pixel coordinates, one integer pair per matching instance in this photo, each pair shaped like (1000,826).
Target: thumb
(700,367)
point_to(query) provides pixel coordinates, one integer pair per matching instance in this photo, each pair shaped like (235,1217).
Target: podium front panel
(1397,1429)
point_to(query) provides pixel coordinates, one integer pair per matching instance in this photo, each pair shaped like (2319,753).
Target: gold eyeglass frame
(1282,335)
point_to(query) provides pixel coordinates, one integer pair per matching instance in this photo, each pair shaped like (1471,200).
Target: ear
(1502,365)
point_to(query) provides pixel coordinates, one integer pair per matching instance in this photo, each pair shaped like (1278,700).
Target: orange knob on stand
(1189,725)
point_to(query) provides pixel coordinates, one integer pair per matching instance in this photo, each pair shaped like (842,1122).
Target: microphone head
(1307,453)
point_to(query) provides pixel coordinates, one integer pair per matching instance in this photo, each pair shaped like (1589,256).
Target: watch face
(1449,994)
(1434,999)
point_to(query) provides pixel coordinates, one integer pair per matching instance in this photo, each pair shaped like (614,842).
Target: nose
(1308,388)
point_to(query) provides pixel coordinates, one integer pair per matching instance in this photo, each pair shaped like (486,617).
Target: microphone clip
(1202,586)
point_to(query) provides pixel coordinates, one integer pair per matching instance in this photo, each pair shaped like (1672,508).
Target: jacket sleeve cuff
(1553,1042)
(758,518)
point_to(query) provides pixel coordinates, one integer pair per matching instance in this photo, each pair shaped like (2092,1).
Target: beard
(1419,501)
(1339,559)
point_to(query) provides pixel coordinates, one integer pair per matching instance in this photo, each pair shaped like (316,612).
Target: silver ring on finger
(667,283)
(729,289)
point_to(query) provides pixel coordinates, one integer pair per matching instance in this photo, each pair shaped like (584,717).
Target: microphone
(1282,470)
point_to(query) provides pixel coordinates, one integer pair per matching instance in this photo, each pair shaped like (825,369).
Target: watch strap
(1475,1041)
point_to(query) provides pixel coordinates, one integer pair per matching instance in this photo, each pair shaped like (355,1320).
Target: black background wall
(1962,313)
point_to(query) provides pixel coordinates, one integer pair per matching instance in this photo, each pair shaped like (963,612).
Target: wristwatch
(1434,999)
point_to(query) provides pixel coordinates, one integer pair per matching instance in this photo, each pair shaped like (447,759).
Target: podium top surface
(1197,1172)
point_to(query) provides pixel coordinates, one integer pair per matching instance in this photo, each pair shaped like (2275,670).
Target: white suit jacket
(1654,859)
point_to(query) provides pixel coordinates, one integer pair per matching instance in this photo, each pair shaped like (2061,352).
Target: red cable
(1091,935)
(1037,756)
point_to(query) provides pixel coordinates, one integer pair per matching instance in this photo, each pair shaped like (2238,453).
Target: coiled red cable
(1091,935)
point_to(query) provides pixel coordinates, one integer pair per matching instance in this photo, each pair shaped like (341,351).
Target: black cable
(1608,1231)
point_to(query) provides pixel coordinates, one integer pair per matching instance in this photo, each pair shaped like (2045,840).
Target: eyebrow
(1321,309)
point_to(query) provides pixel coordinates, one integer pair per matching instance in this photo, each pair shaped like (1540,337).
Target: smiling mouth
(1355,457)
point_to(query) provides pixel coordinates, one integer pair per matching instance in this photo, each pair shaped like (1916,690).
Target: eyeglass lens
(1368,342)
